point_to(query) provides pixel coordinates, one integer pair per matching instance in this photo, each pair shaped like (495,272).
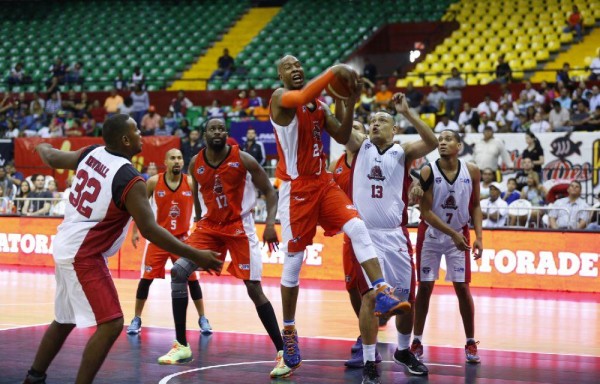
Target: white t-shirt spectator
(490,123)
(435,99)
(594,102)
(558,119)
(540,127)
(503,118)
(452,126)
(490,108)
(571,213)
(595,66)
(486,154)
(464,118)
(490,207)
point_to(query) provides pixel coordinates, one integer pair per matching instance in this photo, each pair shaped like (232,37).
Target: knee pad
(361,241)
(180,273)
(290,277)
(143,289)
(195,290)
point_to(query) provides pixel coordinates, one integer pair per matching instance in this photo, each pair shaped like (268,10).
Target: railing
(12,207)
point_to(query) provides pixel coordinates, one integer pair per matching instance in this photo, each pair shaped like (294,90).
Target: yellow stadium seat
(542,55)
(535,46)
(525,39)
(422,67)
(418,82)
(516,64)
(526,55)
(529,64)
(485,66)
(504,32)
(566,37)
(473,49)
(462,58)
(495,42)
(510,39)
(578,75)
(468,67)
(510,55)
(493,57)
(548,29)
(429,119)
(472,80)
(505,48)
(456,49)
(401,83)
(520,47)
(447,57)
(588,60)
(436,67)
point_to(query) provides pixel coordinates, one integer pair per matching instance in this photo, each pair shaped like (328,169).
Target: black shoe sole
(410,370)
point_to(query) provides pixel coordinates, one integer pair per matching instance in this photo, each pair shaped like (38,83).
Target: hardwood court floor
(526,336)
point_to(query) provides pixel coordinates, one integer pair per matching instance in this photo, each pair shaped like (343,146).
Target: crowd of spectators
(36,195)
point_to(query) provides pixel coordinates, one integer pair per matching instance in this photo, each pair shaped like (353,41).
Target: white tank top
(451,198)
(377,187)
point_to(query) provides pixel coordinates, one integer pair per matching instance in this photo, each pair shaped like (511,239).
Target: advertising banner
(554,261)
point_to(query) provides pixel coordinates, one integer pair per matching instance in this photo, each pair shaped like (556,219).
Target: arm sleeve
(293,99)
(425,184)
(125,178)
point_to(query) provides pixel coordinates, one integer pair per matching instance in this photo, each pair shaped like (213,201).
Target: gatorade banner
(551,261)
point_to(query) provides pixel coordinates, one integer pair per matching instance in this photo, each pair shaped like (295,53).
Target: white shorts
(396,264)
(430,249)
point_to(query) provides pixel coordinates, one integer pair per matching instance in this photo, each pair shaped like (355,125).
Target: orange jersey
(342,173)
(226,191)
(173,207)
(299,144)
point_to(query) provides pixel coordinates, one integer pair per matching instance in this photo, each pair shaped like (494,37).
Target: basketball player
(380,181)
(107,191)
(308,195)
(171,194)
(450,201)
(224,181)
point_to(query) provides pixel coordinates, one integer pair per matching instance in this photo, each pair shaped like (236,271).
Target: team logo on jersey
(218,187)
(450,203)
(187,193)
(438,180)
(200,170)
(426,270)
(147,268)
(376,174)
(244,267)
(394,153)
(234,165)
(239,231)
(338,170)
(316,131)
(459,269)
(368,145)
(160,193)
(174,211)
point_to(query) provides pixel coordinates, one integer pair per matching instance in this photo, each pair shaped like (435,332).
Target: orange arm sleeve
(293,99)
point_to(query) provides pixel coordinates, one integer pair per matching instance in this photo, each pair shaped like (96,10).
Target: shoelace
(290,343)
(472,348)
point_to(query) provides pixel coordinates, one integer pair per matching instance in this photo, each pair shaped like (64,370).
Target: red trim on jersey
(129,186)
(420,239)
(467,235)
(407,181)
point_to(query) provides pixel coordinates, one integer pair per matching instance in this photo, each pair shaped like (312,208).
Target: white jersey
(379,189)
(96,220)
(451,198)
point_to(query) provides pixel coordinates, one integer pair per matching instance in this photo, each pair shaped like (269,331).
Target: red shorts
(304,203)
(238,238)
(155,259)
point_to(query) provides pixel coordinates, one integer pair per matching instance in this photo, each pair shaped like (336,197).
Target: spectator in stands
(112,102)
(487,151)
(559,118)
(594,120)
(494,209)
(503,71)
(488,106)
(534,191)
(169,125)
(454,86)
(191,147)
(214,110)
(75,130)
(488,176)
(57,205)
(13,175)
(446,124)
(138,78)
(126,107)
(261,113)
(595,68)
(6,183)
(53,105)
(505,118)
(370,71)
(563,75)
(150,122)
(37,97)
(58,70)
(240,104)
(569,212)
(413,96)
(522,175)
(521,106)
(150,171)
(594,98)
(485,122)
(564,99)
(512,193)
(6,204)
(38,114)
(539,125)
(225,66)
(254,147)
(82,106)
(120,82)
(70,102)
(580,118)
(141,103)
(534,151)
(17,76)
(548,93)
(530,93)
(253,102)
(24,190)
(180,105)
(75,74)
(183,129)
(383,96)
(367,98)
(506,96)
(468,120)
(37,207)
(575,23)
(436,98)
(98,113)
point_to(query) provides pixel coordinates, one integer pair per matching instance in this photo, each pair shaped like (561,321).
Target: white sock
(469,339)
(403,341)
(369,352)
(418,337)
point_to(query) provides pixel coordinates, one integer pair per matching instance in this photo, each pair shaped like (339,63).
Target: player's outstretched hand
(270,237)
(460,241)
(401,103)
(477,249)
(207,260)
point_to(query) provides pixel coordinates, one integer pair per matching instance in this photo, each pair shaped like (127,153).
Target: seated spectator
(520,106)
(446,124)
(559,118)
(468,120)
(522,174)
(180,105)
(568,212)
(594,120)
(594,98)
(17,76)
(548,93)
(75,74)
(534,191)
(530,93)
(69,103)
(503,71)
(82,106)
(215,110)
(13,175)
(56,127)
(494,210)
(38,206)
(384,96)
(24,190)
(506,96)
(485,122)
(58,70)
(53,105)
(240,104)
(564,99)
(138,78)
(170,124)
(539,125)
(563,75)
(6,205)
(112,102)
(488,106)
(6,183)
(413,96)
(253,100)
(225,66)
(75,130)
(261,113)
(150,122)
(120,82)
(488,176)
(511,194)
(57,204)
(183,128)
(534,151)
(436,98)
(575,23)
(580,118)
(505,118)
(595,68)
(98,112)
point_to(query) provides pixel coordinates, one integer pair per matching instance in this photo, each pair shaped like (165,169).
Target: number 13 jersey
(378,185)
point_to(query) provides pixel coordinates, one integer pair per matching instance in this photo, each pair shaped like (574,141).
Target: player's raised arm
(58,159)
(138,206)
(428,142)
(426,203)
(476,213)
(339,126)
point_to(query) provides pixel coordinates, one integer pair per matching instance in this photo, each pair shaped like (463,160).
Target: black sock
(179,315)
(269,320)
(36,377)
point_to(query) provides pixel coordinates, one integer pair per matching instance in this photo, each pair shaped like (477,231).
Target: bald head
(290,72)
(174,161)
(172,152)
(287,59)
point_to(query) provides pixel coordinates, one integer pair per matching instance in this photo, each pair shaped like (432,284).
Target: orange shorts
(304,203)
(238,238)
(155,260)
(353,273)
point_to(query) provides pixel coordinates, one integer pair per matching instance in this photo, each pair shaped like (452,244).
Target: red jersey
(299,144)
(342,174)
(173,207)
(226,191)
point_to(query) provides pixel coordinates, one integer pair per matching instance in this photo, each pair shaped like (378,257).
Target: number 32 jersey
(96,220)
(378,185)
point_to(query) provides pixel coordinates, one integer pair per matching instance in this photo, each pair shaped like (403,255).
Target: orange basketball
(338,87)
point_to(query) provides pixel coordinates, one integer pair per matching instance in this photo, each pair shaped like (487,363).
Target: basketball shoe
(34,379)
(291,351)
(356,346)
(386,302)
(135,327)
(281,370)
(417,349)
(370,374)
(471,352)
(205,327)
(414,366)
(356,360)
(179,354)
